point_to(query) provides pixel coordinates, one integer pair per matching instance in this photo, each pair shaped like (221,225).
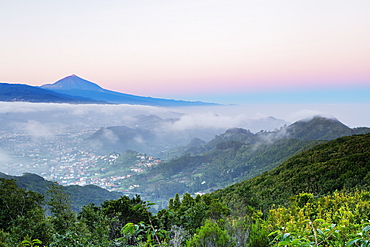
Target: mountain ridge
(166,135)
(77,86)
(234,156)
(25,93)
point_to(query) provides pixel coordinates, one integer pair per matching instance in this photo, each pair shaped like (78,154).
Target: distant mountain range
(26,93)
(73,89)
(156,136)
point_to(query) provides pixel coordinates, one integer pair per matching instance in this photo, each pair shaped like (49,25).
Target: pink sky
(181,48)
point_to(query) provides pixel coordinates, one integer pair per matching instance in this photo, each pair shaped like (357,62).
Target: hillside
(343,163)
(232,157)
(228,163)
(315,128)
(320,128)
(80,195)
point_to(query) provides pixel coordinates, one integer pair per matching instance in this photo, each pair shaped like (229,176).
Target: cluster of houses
(85,167)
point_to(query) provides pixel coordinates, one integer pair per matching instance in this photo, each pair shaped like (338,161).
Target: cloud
(4,157)
(109,136)
(37,130)
(207,121)
(87,114)
(222,121)
(139,139)
(11,107)
(272,137)
(217,117)
(307,115)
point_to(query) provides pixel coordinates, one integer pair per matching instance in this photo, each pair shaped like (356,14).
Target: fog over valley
(59,141)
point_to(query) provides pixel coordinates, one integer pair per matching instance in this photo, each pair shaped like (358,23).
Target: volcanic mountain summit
(75,90)
(73,82)
(75,86)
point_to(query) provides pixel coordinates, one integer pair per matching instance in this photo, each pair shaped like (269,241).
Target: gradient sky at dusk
(226,51)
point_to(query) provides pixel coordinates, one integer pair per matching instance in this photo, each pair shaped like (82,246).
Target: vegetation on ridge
(339,164)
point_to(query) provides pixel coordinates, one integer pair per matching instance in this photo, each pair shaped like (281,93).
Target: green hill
(320,128)
(340,164)
(79,195)
(228,163)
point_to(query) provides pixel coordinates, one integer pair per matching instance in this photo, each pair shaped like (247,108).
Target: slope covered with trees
(319,197)
(340,164)
(235,156)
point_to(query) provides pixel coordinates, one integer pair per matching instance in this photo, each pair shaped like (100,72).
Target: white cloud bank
(37,130)
(5,157)
(39,116)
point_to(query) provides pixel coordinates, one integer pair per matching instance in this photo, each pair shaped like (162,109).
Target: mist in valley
(35,137)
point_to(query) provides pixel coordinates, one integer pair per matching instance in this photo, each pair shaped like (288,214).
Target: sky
(223,51)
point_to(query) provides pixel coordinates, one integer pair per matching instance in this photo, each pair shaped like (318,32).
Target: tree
(22,214)
(96,223)
(190,213)
(210,235)
(125,210)
(16,202)
(63,217)
(34,225)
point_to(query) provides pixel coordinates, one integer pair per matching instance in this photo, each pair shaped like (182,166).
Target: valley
(148,156)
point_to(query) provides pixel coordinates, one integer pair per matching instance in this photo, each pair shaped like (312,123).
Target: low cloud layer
(5,157)
(37,130)
(207,120)
(307,115)
(39,119)
(217,121)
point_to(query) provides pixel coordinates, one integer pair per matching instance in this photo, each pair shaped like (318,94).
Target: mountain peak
(320,118)
(318,128)
(73,82)
(75,86)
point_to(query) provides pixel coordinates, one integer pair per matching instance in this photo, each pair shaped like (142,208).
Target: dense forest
(319,197)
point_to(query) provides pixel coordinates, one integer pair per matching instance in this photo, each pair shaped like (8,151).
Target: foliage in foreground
(338,219)
(326,221)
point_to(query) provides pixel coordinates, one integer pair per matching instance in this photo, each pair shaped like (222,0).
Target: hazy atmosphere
(230,52)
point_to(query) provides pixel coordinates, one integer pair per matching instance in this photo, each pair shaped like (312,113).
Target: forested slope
(340,164)
(235,156)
